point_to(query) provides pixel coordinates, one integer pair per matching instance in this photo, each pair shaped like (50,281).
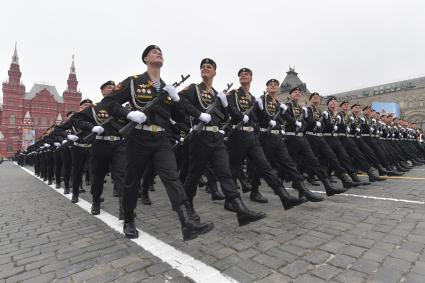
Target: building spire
(15,59)
(72,71)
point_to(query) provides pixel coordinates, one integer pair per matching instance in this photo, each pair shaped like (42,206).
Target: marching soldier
(148,142)
(208,145)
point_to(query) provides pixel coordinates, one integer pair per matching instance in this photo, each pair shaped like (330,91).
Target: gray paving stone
(157,269)
(342,261)
(351,276)
(397,264)
(23,276)
(257,270)
(386,275)
(365,265)
(239,274)
(317,257)
(275,278)
(296,268)
(326,272)
(136,276)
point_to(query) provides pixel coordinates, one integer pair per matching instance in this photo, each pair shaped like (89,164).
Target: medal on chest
(297,111)
(205,97)
(242,101)
(270,106)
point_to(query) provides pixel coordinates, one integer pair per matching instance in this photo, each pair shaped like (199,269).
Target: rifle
(240,124)
(209,110)
(91,135)
(127,129)
(322,117)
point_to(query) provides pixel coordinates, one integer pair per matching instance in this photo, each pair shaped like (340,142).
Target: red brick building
(24,115)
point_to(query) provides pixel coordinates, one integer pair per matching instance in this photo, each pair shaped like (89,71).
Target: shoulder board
(135,76)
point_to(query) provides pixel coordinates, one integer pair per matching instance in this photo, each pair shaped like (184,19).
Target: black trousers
(355,153)
(37,169)
(323,151)
(300,149)
(209,147)
(143,148)
(105,155)
(277,154)
(80,155)
(67,164)
(367,151)
(148,177)
(245,144)
(341,153)
(379,150)
(57,155)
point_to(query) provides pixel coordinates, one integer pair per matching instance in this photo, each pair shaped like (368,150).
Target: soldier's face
(315,100)
(272,88)
(356,109)
(345,107)
(84,106)
(154,57)
(107,90)
(296,95)
(245,78)
(207,71)
(332,105)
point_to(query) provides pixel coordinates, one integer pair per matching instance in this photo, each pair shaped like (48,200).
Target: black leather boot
(95,208)
(58,185)
(313,181)
(50,182)
(373,177)
(286,199)
(229,206)
(129,229)
(115,193)
(82,190)
(215,193)
(190,228)
(191,211)
(305,192)
(256,196)
(151,188)
(145,199)
(66,191)
(331,190)
(392,172)
(346,183)
(356,179)
(405,165)
(246,186)
(245,215)
(333,180)
(74,198)
(381,170)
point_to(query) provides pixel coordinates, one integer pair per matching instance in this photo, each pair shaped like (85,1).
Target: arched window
(12,119)
(421,102)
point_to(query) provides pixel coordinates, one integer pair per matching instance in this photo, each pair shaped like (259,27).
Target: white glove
(305,111)
(181,139)
(205,117)
(325,114)
(223,98)
(57,144)
(358,130)
(47,145)
(72,137)
(272,123)
(137,116)
(282,132)
(97,130)
(374,120)
(363,120)
(371,130)
(352,119)
(318,124)
(245,119)
(335,127)
(338,118)
(172,92)
(221,132)
(348,129)
(259,101)
(298,124)
(283,107)
(64,141)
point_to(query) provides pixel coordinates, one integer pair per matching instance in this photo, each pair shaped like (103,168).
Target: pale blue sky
(335,45)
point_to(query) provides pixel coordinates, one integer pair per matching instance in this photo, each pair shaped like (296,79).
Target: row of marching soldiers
(181,136)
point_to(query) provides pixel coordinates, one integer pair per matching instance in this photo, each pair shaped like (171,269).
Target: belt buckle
(215,129)
(250,129)
(154,128)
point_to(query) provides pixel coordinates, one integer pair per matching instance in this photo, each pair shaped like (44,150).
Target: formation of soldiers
(144,127)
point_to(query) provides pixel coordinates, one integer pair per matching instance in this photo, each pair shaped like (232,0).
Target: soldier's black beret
(366,107)
(245,70)
(330,98)
(294,89)
(343,102)
(106,84)
(208,61)
(272,81)
(314,94)
(86,101)
(354,105)
(147,50)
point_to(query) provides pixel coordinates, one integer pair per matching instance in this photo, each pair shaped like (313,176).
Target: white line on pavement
(376,198)
(186,264)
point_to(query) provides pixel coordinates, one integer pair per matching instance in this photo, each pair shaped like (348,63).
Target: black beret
(107,83)
(208,61)
(294,89)
(272,81)
(147,50)
(313,94)
(354,105)
(366,107)
(343,102)
(70,113)
(330,98)
(244,70)
(86,101)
